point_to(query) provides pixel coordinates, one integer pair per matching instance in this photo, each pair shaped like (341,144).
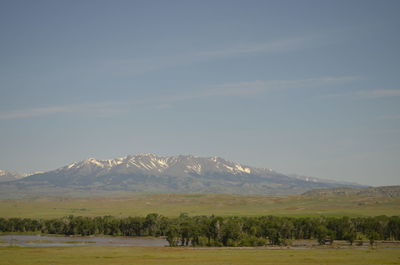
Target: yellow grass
(134,204)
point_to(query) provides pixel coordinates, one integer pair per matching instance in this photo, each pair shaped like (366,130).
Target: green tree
(350,236)
(172,235)
(321,233)
(372,237)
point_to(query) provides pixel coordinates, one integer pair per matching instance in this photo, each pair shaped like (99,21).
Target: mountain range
(8,176)
(168,174)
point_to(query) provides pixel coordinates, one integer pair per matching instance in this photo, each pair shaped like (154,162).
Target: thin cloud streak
(249,88)
(379,93)
(367,94)
(145,65)
(94,109)
(277,46)
(255,87)
(237,89)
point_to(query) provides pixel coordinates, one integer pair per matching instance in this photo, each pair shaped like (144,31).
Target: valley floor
(165,255)
(171,205)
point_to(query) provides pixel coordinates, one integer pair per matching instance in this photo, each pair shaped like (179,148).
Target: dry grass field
(171,205)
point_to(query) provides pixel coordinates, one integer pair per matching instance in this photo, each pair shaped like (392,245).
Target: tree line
(216,230)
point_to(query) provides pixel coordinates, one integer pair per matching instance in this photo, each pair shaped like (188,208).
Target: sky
(303,87)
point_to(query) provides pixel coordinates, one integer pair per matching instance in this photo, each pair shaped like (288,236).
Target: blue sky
(305,87)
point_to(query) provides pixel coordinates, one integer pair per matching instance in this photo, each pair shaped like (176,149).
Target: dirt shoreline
(39,240)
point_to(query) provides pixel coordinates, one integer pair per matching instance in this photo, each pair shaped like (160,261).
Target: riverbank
(24,240)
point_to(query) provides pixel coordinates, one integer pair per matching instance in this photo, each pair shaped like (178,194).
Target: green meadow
(171,205)
(175,256)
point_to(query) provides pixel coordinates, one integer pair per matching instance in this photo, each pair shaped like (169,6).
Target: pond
(62,241)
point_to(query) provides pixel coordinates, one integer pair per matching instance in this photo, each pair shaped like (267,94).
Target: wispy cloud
(366,94)
(94,109)
(276,46)
(144,65)
(249,88)
(255,87)
(235,89)
(379,93)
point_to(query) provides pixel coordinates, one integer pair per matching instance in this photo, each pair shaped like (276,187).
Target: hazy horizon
(308,88)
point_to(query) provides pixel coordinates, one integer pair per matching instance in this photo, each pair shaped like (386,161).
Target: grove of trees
(216,230)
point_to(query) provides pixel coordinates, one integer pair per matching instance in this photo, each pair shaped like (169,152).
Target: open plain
(171,205)
(176,256)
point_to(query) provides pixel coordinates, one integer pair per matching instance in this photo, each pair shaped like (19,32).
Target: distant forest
(218,231)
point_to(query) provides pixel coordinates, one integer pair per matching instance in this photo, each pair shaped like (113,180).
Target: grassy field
(176,256)
(131,204)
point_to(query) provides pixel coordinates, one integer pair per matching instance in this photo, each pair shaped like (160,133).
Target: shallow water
(62,241)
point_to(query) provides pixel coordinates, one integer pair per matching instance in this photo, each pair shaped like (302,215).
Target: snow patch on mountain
(10,176)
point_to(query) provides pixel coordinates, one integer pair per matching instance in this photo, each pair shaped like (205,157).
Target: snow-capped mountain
(179,174)
(9,176)
(152,164)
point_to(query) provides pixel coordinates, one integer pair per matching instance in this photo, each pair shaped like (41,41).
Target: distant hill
(384,191)
(169,174)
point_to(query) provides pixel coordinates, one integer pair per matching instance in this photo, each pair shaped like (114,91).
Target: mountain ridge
(8,176)
(182,174)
